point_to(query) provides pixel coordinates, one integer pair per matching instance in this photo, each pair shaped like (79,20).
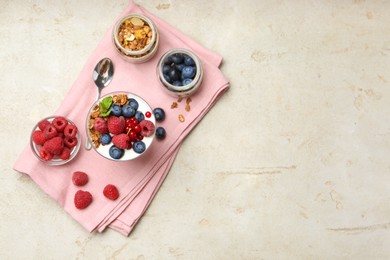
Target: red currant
(137,128)
(148,114)
(140,137)
(132,135)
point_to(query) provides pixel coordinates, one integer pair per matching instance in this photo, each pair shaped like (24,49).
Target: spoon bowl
(102,76)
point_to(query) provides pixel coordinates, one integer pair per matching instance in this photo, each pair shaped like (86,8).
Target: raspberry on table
(82,199)
(80,178)
(111,192)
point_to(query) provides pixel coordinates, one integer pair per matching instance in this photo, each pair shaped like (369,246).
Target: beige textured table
(292,163)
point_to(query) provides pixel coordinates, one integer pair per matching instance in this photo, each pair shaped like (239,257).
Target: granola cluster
(134,34)
(187,107)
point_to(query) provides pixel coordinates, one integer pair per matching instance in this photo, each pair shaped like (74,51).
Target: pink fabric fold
(138,180)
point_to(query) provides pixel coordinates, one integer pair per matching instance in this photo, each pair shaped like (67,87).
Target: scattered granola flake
(181,118)
(174,105)
(188,108)
(179,99)
(188,100)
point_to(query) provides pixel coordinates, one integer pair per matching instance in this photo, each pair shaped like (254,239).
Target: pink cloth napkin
(138,180)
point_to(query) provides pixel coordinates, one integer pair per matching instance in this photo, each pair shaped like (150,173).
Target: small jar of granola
(136,38)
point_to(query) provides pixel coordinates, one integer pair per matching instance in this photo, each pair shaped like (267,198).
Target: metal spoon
(102,76)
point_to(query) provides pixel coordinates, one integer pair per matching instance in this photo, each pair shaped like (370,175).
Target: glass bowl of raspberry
(55,140)
(121,126)
(180,72)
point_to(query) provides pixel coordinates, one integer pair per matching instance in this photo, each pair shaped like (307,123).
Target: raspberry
(70,142)
(82,199)
(116,125)
(43,123)
(70,130)
(111,192)
(38,137)
(100,125)
(50,132)
(121,141)
(80,178)
(147,128)
(45,155)
(60,123)
(54,145)
(65,154)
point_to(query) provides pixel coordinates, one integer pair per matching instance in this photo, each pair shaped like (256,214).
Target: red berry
(147,128)
(132,135)
(137,128)
(111,192)
(82,199)
(45,154)
(43,123)
(70,142)
(54,145)
(140,137)
(116,125)
(79,178)
(148,114)
(121,141)
(70,130)
(60,123)
(65,154)
(100,125)
(38,137)
(50,132)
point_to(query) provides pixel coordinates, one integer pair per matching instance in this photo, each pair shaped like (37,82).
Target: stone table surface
(292,163)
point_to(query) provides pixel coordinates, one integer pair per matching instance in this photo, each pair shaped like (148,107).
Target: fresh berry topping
(82,199)
(159,114)
(148,114)
(139,116)
(100,125)
(122,141)
(43,123)
(70,142)
(65,154)
(105,139)
(60,123)
(111,192)
(137,128)
(116,125)
(132,136)
(38,137)
(50,132)
(139,147)
(128,111)
(116,110)
(160,133)
(70,130)
(79,178)
(133,103)
(45,154)
(147,128)
(115,152)
(54,145)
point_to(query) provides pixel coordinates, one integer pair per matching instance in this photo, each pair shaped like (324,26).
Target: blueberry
(160,133)
(159,114)
(188,72)
(115,152)
(186,81)
(177,83)
(180,66)
(139,116)
(133,103)
(116,110)
(167,78)
(168,61)
(139,146)
(174,74)
(105,139)
(166,68)
(177,58)
(188,60)
(128,111)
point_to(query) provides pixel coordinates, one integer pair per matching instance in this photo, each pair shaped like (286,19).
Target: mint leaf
(106,113)
(105,104)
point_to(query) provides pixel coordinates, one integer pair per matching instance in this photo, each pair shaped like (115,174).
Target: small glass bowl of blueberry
(180,72)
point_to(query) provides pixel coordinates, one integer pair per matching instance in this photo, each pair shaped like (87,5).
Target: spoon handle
(88,145)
